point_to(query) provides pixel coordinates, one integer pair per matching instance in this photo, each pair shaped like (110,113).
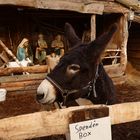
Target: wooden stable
(89,12)
(99,15)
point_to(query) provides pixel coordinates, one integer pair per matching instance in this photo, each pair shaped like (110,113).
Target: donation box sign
(96,129)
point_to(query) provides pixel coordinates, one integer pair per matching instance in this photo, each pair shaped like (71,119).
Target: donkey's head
(75,69)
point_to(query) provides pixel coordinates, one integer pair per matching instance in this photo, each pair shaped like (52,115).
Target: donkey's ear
(71,35)
(96,47)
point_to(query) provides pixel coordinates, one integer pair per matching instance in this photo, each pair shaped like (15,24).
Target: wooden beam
(86,1)
(71,6)
(17,78)
(29,69)
(82,6)
(124,25)
(30,3)
(21,86)
(32,91)
(93,27)
(58,5)
(111,7)
(57,122)
(92,7)
(132,4)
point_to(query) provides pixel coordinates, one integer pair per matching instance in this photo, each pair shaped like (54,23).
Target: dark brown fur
(87,56)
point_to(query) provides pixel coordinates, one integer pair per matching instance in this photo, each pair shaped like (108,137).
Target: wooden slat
(30,3)
(106,57)
(21,85)
(112,50)
(17,78)
(57,122)
(32,91)
(18,84)
(29,69)
(22,88)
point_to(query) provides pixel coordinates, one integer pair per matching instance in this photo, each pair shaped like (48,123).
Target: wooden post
(57,122)
(124,24)
(10,53)
(93,27)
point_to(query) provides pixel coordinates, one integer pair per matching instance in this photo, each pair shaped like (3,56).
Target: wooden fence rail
(51,123)
(29,69)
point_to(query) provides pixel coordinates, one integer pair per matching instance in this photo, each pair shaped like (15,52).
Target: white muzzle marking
(48,90)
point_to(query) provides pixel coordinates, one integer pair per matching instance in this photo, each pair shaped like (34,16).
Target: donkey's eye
(74,67)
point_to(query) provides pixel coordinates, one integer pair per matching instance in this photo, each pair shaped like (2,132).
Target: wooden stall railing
(29,69)
(51,123)
(21,83)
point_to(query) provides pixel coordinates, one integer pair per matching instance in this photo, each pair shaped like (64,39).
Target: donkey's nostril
(40,96)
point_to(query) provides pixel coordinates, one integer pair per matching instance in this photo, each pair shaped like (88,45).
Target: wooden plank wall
(21,83)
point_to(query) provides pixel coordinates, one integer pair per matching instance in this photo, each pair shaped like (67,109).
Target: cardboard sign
(97,129)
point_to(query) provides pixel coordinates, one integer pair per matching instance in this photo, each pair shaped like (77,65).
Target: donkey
(79,73)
